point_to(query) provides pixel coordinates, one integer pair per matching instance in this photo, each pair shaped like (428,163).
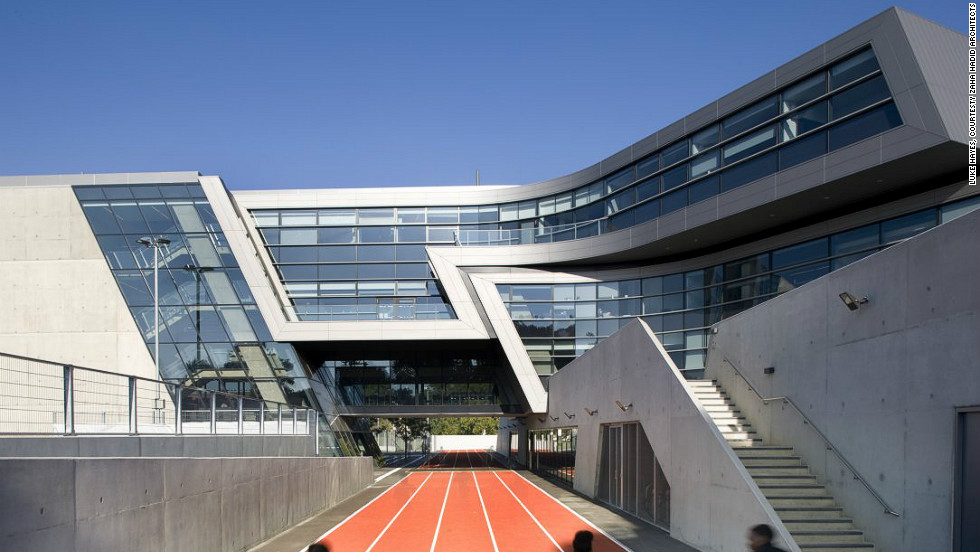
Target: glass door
(630,477)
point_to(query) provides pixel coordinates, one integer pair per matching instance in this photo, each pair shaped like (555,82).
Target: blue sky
(327,94)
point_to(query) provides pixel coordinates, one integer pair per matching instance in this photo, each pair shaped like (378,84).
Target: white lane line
(486,517)
(348,518)
(538,523)
(442,512)
(400,510)
(384,475)
(576,514)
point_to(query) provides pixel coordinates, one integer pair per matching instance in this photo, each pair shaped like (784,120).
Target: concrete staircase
(812,516)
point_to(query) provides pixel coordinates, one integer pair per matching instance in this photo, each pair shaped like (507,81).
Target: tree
(462,425)
(409,429)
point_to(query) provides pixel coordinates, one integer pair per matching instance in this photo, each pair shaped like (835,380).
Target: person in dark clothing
(760,539)
(317,547)
(582,541)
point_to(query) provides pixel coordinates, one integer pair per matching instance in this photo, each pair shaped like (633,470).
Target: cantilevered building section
(465,300)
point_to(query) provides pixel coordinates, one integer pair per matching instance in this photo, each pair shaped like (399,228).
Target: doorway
(630,476)
(966,499)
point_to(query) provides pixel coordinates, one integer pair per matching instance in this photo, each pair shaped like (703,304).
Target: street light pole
(155,243)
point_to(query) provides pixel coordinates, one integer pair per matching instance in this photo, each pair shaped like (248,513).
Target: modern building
(466,300)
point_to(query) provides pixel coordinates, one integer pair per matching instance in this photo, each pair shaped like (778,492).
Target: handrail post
(214,411)
(133,429)
(316,431)
(69,399)
(179,411)
(261,417)
(295,419)
(241,418)
(279,419)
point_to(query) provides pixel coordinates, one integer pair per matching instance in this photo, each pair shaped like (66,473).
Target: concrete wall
(463,442)
(166,504)
(159,446)
(60,301)
(881,382)
(712,497)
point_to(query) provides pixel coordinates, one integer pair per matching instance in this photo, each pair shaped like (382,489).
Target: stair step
(710,394)
(771,460)
(763,451)
(831,536)
(841,523)
(729,435)
(702,383)
(790,490)
(801,500)
(724,418)
(833,547)
(716,402)
(744,442)
(735,428)
(777,470)
(710,408)
(809,512)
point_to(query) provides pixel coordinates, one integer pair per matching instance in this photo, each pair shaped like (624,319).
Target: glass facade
(552,453)
(211,332)
(559,322)
(830,109)
(630,476)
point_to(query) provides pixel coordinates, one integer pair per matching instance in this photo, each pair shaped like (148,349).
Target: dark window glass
(335,235)
(372,253)
(673,302)
(746,267)
(158,217)
(647,211)
(531,293)
(336,253)
(469,215)
(857,97)
(648,166)
(751,144)
(294,236)
(206,320)
(620,221)
(674,153)
(270,235)
(134,288)
(673,283)
(413,270)
(674,177)
(411,253)
(89,192)
(630,307)
(804,121)
(704,163)
(101,218)
(704,139)
(750,117)
(118,251)
(749,171)
(130,219)
(338,272)
(619,180)
(146,192)
(376,234)
(853,68)
(411,234)
(854,240)
(298,272)
(606,309)
(629,288)
(375,271)
(804,91)
(704,189)
(907,226)
(786,280)
(673,202)
(174,191)
(648,188)
(298,254)
(534,328)
(589,212)
(795,254)
(803,150)
(117,192)
(620,201)
(864,126)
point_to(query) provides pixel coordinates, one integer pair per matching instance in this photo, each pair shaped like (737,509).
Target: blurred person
(582,541)
(318,547)
(760,539)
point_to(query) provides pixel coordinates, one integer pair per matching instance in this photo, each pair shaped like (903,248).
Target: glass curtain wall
(559,322)
(551,453)
(630,476)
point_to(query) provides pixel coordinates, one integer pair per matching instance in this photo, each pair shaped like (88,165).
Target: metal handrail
(830,446)
(68,401)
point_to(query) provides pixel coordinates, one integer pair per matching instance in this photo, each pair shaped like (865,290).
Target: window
(531,293)
(647,167)
(853,68)
(563,202)
(508,212)
(469,215)
(629,288)
(619,221)
(619,180)
(646,212)
(299,218)
(804,91)
(157,216)
(375,271)
(442,233)
(585,292)
(298,237)
(857,97)
(620,201)
(608,290)
(338,253)
(749,171)
(411,215)
(753,143)
(129,217)
(704,139)
(704,164)
(854,240)
(298,272)
(338,217)
(376,216)
(673,201)
(527,209)
(376,234)
(864,126)
(265,218)
(907,226)
(443,215)
(674,177)
(411,234)
(674,153)
(703,189)
(749,117)
(338,272)
(335,235)
(336,288)
(375,253)
(804,121)
(803,150)
(808,251)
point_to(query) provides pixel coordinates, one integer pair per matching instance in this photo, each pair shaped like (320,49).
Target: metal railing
(546,234)
(39,397)
(830,446)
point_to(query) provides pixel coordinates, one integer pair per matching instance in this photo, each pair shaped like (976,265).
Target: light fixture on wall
(852,302)
(554,418)
(542,420)
(569,416)
(624,407)
(590,412)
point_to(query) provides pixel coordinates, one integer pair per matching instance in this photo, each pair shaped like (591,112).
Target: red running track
(461,460)
(472,511)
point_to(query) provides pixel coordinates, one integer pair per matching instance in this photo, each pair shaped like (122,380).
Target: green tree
(463,425)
